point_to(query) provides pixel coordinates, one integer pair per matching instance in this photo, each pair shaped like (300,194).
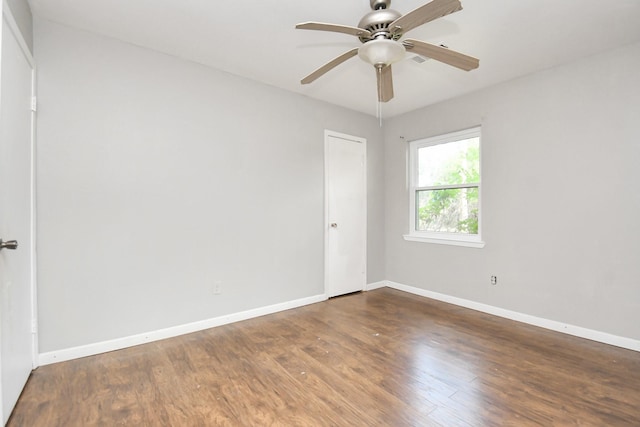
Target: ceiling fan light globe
(381,52)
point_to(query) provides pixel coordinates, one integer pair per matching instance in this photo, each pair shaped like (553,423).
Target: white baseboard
(590,334)
(375,285)
(130,341)
(133,340)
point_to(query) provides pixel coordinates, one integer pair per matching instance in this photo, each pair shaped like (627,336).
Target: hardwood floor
(381,358)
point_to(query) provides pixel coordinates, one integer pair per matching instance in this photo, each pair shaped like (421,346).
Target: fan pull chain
(379,105)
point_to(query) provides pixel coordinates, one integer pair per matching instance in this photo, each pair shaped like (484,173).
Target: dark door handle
(9,244)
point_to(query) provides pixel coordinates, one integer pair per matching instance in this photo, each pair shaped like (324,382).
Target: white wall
(22,14)
(157,177)
(561,196)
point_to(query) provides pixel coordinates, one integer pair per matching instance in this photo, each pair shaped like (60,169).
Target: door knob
(9,244)
(334,225)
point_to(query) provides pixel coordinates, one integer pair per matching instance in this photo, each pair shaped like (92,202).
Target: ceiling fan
(380,31)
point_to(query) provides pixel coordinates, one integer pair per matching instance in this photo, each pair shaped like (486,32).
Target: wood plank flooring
(381,358)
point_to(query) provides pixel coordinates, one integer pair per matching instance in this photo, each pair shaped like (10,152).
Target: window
(444,181)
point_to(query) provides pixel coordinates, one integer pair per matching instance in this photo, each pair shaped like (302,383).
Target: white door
(345,214)
(16,215)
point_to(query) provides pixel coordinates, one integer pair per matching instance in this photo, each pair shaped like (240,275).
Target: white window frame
(457,239)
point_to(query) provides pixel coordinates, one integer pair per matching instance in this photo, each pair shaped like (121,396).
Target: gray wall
(560,200)
(158,177)
(22,14)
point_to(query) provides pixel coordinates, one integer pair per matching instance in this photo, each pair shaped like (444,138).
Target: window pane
(452,210)
(451,163)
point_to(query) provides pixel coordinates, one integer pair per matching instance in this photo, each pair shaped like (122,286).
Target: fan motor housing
(377,23)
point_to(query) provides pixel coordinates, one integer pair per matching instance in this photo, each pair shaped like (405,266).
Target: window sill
(445,241)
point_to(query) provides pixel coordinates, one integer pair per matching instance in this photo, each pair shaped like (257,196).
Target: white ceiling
(257,40)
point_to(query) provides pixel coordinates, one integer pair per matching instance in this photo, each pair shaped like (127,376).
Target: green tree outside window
(454,208)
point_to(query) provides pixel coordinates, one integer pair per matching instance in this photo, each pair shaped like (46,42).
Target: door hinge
(34,326)
(34,104)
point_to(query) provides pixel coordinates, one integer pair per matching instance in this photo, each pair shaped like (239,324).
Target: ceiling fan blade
(336,28)
(425,13)
(329,66)
(385,83)
(442,54)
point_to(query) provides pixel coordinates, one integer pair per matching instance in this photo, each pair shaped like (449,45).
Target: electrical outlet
(494,280)
(217,287)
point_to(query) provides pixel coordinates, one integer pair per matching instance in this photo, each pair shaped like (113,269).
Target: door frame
(327,134)
(9,19)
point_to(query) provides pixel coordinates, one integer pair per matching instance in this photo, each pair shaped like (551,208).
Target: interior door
(346,214)
(16,214)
